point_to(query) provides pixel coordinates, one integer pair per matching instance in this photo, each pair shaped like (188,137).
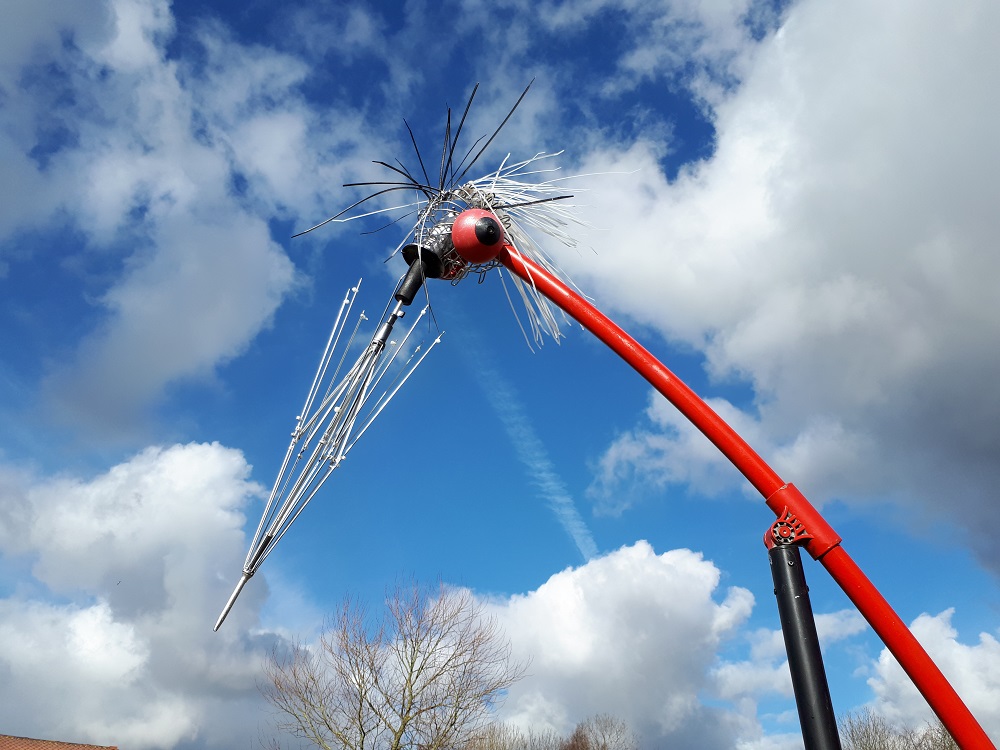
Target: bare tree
(426,676)
(578,740)
(500,736)
(934,736)
(545,739)
(867,730)
(607,732)
(541,739)
(601,732)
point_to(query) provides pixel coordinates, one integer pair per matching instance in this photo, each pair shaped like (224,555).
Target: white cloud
(130,567)
(84,661)
(34,29)
(206,291)
(30,36)
(673,452)
(167,168)
(834,626)
(766,671)
(973,670)
(639,635)
(129,570)
(140,28)
(832,253)
(679,37)
(772,742)
(633,634)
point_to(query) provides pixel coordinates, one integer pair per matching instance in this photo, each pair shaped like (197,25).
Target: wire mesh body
(528,197)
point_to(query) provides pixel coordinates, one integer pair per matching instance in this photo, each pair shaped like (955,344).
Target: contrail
(531,452)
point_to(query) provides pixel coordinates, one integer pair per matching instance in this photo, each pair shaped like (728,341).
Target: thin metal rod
(805,660)
(926,676)
(232,600)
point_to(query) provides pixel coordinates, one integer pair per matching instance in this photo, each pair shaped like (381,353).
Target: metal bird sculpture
(460,226)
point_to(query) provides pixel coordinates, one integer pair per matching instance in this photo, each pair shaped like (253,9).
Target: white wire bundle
(521,206)
(328,426)
(525,206)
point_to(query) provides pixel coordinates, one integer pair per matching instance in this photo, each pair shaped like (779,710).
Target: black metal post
(805,661)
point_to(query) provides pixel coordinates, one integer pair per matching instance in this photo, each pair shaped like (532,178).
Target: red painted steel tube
(908,652)
(825,545)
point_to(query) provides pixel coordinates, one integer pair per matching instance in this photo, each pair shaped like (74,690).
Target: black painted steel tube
(805,661)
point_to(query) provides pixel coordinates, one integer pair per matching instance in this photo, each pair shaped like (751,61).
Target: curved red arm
(779,496)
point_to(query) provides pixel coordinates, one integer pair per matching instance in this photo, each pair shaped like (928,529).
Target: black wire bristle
(458,132)
(495,132)
(420,159)
(353,206)
(444,150)
(386,226)
(534,202)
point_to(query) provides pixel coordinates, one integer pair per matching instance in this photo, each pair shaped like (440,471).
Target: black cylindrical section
(488,231)
(410,284)
(430,256)
(812,693)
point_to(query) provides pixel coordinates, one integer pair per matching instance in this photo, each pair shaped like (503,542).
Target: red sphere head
(477,235)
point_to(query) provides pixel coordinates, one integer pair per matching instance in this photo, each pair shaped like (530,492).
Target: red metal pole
(779,496)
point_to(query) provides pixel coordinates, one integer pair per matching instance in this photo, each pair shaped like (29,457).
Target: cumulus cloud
(973,670)
(641,635)
(128,569)
(592,633)
(671,451)
(765,673)
(114,624)
(167,168)
(832,253)
(681,37)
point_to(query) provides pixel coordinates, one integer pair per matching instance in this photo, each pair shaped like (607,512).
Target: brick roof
(25,743)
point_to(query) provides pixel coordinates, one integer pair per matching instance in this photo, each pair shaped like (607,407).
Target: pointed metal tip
(231,602)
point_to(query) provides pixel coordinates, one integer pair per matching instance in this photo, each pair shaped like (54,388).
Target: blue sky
(793,207)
